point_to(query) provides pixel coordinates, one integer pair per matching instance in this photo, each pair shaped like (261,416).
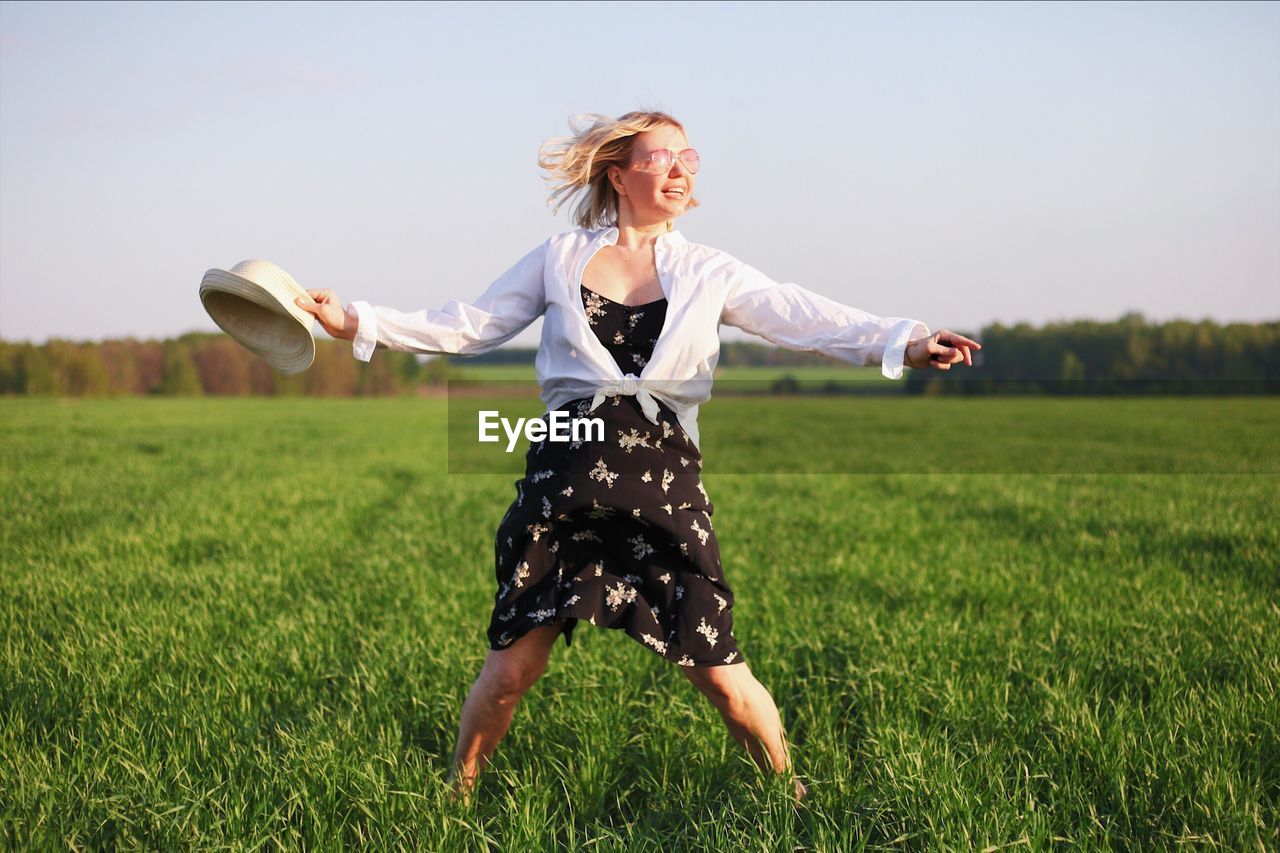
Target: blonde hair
(581,162)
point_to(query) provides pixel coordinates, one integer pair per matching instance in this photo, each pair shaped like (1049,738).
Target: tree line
(204,364)
(1125,356)
(1128,355)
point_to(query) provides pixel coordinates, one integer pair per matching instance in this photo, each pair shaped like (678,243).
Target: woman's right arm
(513,301)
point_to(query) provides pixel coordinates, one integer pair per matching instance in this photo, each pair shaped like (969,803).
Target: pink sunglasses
(660,161)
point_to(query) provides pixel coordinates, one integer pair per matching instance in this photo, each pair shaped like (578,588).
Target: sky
(957,163)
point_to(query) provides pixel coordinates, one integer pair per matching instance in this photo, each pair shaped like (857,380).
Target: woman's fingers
(963,346)
(948,336)
(324,304)
(324,296)
(318,303)
(939,353)
(948,355)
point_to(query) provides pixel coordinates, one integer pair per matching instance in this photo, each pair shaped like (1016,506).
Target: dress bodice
(628,332)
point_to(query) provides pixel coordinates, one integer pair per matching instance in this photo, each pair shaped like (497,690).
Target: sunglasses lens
(660,162)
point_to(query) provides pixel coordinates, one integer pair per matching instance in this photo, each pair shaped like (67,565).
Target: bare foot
(460,790)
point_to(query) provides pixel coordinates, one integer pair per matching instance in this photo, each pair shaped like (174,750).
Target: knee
(725,688)
(506,684)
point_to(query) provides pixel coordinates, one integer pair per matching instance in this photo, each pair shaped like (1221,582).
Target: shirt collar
(670,239)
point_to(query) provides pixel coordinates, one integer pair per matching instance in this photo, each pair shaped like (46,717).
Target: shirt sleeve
(506,308)
(793,317)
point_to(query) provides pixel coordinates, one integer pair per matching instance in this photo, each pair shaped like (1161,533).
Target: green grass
(247,622)
(493,372)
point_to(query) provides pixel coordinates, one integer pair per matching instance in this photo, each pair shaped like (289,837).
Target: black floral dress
(617,531)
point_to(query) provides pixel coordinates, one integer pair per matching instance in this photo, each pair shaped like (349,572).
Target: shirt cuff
(896,350)
(366,339)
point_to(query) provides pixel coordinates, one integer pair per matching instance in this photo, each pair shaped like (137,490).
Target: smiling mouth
(674,193)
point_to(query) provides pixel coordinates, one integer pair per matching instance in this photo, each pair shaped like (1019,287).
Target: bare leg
(749,713)
(491,703)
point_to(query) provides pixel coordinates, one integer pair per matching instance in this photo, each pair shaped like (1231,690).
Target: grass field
(248,622)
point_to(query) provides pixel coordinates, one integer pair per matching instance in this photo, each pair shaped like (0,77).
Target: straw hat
(253,302)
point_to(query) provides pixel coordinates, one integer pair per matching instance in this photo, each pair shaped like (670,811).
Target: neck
(636,234)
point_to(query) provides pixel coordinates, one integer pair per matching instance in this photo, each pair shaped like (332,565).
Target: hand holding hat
(327,308)
(268,313)
(253,302)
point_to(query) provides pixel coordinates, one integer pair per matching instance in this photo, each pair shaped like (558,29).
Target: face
(645,193)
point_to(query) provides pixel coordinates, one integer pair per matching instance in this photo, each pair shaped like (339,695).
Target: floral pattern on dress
(594,305)
(617,532)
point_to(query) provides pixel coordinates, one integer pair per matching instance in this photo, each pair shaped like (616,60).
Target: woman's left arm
(799,319)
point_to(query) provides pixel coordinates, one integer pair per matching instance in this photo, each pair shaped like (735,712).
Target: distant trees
(200,364)
(181,377)
(1128,355)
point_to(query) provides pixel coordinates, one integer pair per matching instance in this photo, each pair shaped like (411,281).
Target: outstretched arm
(507,307)
(799,319)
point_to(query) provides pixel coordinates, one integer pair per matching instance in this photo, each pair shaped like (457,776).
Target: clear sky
(957,163)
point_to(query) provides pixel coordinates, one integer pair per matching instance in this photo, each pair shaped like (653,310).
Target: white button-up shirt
(704,287)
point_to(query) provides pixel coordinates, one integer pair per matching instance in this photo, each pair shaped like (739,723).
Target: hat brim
(265,322)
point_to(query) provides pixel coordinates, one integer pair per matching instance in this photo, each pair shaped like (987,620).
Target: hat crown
(265,273)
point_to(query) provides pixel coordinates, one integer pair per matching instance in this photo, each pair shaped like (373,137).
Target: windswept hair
(581,162)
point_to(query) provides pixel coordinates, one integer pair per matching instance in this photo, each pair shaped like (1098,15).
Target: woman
(618,531)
